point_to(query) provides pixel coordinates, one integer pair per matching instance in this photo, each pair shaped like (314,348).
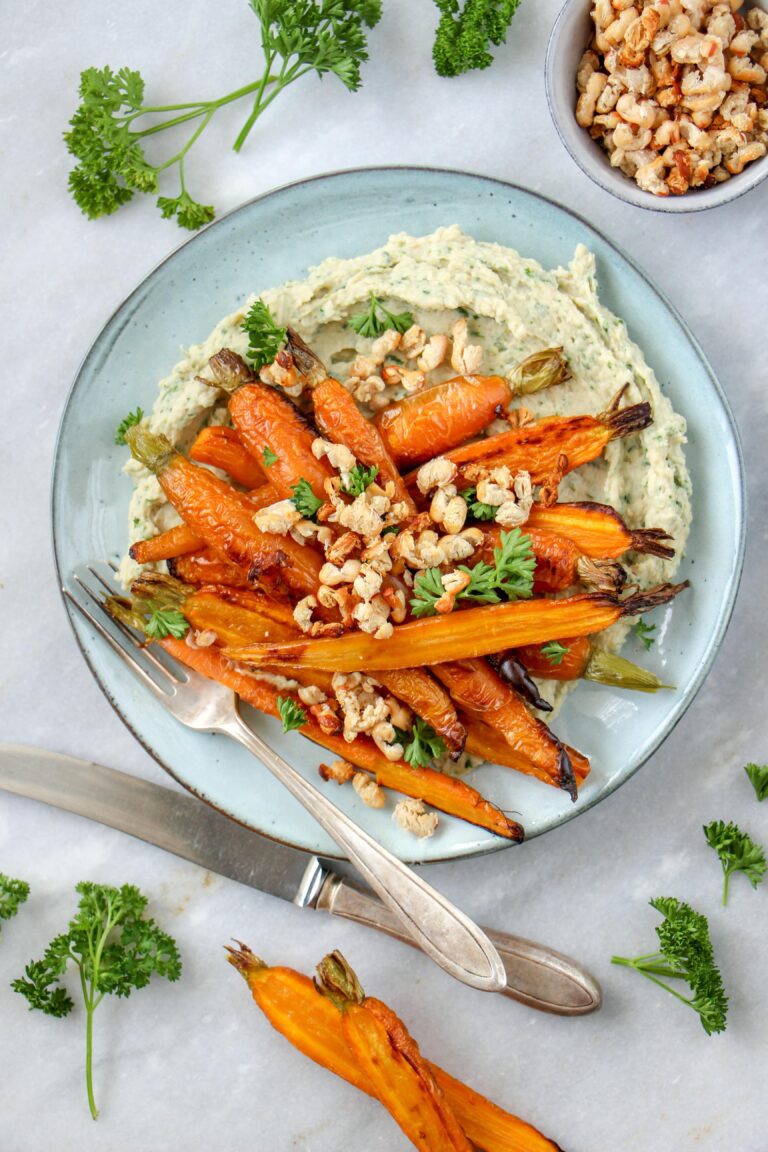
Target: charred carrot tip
(652,541)
(625,421)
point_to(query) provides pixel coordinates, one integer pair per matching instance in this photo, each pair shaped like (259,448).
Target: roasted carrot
(428,424)
(488,744)
(182,539)
(462,635)
(428,699)
(599,531)
(482,693)
(223,518)
(207,567)
(341,421)
(447,793)
(265,419)
(539,448)
(312,1024)
(581,660)
(559,563)
(221,447)
(390,1059)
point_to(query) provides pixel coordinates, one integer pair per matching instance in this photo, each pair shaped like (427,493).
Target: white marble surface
(194,1064)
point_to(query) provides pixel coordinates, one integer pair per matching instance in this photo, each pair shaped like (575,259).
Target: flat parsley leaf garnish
(128,422)
(737,852)
(359,480)
(378,319)
(643,632)
(510,577)
(115,951)
(304,500)
(265,338)
(166,622)
(555,652)
(291,714)
(422,745)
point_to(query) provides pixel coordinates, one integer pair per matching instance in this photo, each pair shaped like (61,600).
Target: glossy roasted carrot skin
(430,423)
(182,539)
(401,1079)
(223,518)
(450,795)
(458,636)
(488,744)
(429,700)
(598,531)
(572,666)
(539,448)
(340,420)
(559,562)
(310,1022)
(208,610)
(265,419)
(221,447)
(207,567)
(481,692)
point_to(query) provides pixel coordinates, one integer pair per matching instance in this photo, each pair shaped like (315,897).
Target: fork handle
(444,933)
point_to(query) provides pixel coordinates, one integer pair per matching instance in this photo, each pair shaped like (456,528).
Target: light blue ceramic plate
(275,238)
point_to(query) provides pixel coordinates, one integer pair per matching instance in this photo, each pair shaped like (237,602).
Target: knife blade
(177,822)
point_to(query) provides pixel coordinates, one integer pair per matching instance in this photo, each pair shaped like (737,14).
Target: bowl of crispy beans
(663,103)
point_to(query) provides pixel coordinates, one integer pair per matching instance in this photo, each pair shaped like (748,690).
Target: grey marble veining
(194,1064)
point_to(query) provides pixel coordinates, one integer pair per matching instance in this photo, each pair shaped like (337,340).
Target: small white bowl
(572,32)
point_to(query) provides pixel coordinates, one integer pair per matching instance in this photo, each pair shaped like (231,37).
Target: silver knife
(180,823)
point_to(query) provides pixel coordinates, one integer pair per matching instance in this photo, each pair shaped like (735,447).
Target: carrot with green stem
(417,428)
(461,635)
(223,518)
(181,540)
(271,427)
(599,531)
(313,1025)
(553,446)
(559,562)
(577,658)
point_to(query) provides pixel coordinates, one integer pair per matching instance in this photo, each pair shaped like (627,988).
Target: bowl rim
(727,605)
(755,174)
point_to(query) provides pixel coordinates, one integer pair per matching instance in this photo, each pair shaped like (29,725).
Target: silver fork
(441,930)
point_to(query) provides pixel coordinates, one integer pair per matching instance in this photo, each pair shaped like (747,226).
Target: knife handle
(536,976)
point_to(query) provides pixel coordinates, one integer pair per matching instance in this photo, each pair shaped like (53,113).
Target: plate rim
(725,612)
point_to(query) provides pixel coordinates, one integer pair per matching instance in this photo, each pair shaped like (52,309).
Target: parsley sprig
(378,319)
(304,500)
(13,893)
(109,128)
(643,632)
(165,622)
(475,507)
(466,33)
(128,422)
(115,950)
(268,456)
(422,745)
(292,715)
(685,954)
(737,852)
(758,778)
(510,577)
(359,479)
(555,652)
(265,338)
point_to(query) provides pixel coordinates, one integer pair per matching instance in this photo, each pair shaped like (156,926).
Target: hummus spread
(514,307)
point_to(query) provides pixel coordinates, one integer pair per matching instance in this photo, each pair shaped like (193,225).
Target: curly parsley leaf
(643,632)
(555,652)
(378,319)
(265,338)
(464,34)
(510,577)
(107,131)
(268,456)
(475,507)
(304,500)
(128,422)
(291,714)
(737,852)
(359,479)
(116,951)
(685,954)
(422,745)
(166,622)
(758,777)
(13,893)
